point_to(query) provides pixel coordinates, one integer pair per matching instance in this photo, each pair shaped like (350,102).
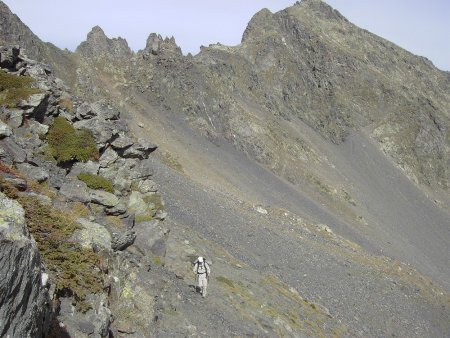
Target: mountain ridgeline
(310,164)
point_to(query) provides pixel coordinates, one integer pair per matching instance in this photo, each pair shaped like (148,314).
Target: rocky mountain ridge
(272,155)
(41,174)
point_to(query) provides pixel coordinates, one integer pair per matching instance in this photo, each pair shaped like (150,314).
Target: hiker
(202,272)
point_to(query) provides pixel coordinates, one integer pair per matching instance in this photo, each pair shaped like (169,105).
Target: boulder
(136,202)
(76,191)
(108,157)
(122,142)
(5,130)
(104,131)
(37,128)
(122,173)
(43,199)
(9,57)
(116,210)
(147,186)
(92,235)
(104,198)
(35,106)
(123,240)
(15,119)
(25,304)
(105,111)
(32,172)
(18,183)
(57,175)
(140,150)
(95,323)
(84,111)
(89,167)
(150,237)
(14,153)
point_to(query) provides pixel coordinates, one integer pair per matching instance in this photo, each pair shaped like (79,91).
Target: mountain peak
(96,31)
(319,8)
(257,23)
(97,44)
(156,45)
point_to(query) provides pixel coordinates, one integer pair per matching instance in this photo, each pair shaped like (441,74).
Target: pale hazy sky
(422,27)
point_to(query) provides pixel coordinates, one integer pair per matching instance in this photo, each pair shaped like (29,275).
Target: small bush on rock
(15,88)
(66,104)
(96,182)
(65,144)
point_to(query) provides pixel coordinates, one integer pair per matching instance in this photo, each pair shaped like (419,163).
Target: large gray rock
(25,304)
(57,175)
(105,111)
(108,157)
(34,173)
(95,323)
(9,56)
(122,142)
(14,153)
(15,118)
(89,167)
(140,150)
(118,209)
(147,186)
(35,106)
(76,191)
(92,235)
(123,172)
(37,128)
(84,111)
(104,198)
(5,130)
(123,240)
(104,131)
(151,237)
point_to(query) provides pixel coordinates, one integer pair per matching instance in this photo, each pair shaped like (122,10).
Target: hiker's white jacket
(201,268)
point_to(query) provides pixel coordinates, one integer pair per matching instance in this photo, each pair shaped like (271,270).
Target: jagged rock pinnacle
(97,44)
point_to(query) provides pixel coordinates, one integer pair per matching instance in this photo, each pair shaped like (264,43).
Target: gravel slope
(213,193)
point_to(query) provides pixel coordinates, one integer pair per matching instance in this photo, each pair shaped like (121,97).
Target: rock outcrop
(28,155)
(97,44)
(25,309)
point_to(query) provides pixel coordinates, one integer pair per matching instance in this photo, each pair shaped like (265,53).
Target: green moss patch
(96,182)
(15,88)
(65,144)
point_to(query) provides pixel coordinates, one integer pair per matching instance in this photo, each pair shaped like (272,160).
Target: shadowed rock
(25,304)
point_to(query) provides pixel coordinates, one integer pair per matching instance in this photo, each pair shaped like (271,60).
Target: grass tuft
(65,144)
(15,88)
(96,182)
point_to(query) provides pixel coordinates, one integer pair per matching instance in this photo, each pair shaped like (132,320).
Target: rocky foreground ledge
(79,210)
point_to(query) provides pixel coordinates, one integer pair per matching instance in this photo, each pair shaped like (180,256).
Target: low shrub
(66,104)
(15,88)
(65,144)
(74,268)
(96,182)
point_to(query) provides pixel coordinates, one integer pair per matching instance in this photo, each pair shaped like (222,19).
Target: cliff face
(25,309)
